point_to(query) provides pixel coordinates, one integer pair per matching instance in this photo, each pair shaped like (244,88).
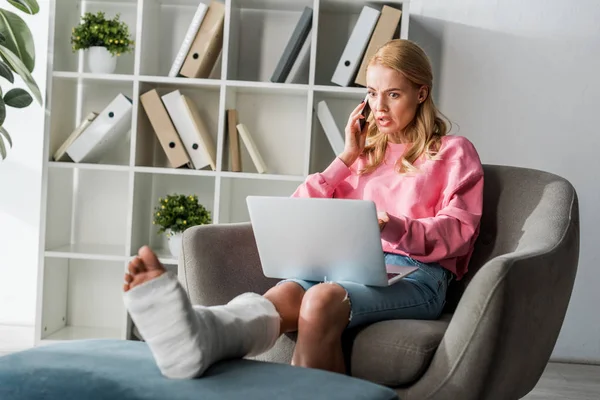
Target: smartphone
(365,113)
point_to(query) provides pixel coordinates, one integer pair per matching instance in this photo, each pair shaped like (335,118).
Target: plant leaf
(27,6)
(6,72)
(17,98)
(5,133)
(2,149)
(17,65)
(2,111)
(18,38)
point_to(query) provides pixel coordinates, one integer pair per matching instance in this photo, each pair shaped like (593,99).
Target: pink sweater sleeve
(323,184)
(451,232)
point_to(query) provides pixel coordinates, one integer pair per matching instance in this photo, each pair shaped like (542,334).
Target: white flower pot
(100,61)
(174,240)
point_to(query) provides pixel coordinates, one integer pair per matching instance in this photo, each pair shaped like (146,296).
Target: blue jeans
(421,295)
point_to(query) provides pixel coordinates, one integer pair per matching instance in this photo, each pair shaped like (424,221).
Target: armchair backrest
(523,210)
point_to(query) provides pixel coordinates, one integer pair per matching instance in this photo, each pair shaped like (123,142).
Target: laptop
(321,240)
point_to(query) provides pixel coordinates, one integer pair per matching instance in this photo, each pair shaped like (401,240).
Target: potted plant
(177,212)
(17,56)
(103,39)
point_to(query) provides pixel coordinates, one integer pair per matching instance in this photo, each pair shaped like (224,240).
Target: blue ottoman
(123,370)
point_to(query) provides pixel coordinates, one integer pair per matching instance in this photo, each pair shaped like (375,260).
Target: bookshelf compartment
(277,123)
(165,25)
(233,207)
(82,299)
(68,15)
(74,100)
(340,105)
(337,19)
(148,188)
(259,31)
(149,151)
(86,213)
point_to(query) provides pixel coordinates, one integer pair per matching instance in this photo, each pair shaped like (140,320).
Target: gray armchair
(501,322)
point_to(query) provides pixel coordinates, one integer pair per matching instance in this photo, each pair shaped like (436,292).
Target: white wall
(521,80)
(20,193)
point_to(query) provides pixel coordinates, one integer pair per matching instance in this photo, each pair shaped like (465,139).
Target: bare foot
(144,267)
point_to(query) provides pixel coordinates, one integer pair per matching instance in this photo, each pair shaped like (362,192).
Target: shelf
(175,171)
(92,76)
(267,87)
(342,92)
(258,34)
(88,251)
(97,167)
(165,24)
(87,206)
(277,123)
(148,188)
(83,333)
(82,299)
(181,81)
(266,177)
(233,206)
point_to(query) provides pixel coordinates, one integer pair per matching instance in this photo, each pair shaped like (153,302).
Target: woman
(428,191)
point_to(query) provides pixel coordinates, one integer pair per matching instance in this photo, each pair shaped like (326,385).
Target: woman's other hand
(355,138)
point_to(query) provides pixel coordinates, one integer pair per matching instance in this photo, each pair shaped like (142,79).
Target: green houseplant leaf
(6,135)
(18,38)
(2,149)
(17,65)
(6,73)
(2,111)
(27,6)
(17,98)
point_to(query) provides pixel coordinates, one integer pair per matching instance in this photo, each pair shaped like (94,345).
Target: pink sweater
(434,214)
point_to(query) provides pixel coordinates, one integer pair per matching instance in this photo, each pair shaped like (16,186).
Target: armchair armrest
(220,261)
(506,325)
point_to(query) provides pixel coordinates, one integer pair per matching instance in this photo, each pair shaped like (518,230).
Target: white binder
(355,47)
(186,129)
(102,134)
(336,140)
(188,39)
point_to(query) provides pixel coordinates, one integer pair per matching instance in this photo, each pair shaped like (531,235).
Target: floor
(559,382)
(568,382)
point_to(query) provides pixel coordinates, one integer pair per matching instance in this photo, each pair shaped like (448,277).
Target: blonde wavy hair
(428,126)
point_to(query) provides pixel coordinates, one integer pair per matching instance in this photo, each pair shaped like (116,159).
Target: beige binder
(164,129)
(207,45)
(384,31)
(234,141)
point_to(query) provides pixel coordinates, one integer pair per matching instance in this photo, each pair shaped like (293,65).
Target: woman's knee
(325,305)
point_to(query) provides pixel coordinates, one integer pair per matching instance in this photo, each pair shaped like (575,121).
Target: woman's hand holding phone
(356,133)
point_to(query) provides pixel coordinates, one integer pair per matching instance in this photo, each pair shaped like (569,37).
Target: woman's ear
(423,93)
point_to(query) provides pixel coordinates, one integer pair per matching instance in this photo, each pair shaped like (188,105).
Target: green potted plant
(177,212)
(17,55)
(103,39)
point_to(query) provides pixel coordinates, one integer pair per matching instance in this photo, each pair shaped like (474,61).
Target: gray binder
(292,49)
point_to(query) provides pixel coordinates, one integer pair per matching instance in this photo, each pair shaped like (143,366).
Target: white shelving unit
(96,216)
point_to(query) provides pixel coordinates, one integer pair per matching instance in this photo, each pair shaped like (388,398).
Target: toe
(136,266)
(149,259)
(128,278)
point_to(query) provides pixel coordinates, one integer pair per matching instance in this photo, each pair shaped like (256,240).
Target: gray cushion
(124,370)
(392,353)
(397,352)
